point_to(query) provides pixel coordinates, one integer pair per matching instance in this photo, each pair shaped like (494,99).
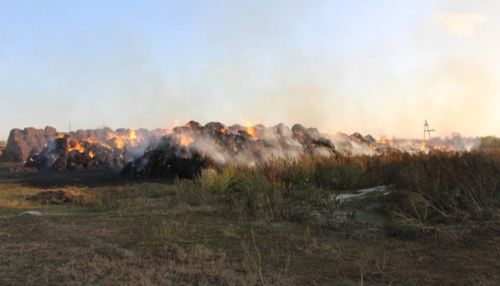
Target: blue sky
(378,67)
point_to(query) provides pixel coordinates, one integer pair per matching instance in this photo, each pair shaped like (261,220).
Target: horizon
(378,67)
(247,124)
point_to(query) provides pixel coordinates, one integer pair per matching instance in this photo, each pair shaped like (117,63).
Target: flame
(387,141)
(422,147)
(81,146)
(91,154)
(77,147)
(250,129)
(185,140)
(411,146)
(119,143)
(131,135)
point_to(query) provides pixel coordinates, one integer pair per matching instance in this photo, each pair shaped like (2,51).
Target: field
(435,221)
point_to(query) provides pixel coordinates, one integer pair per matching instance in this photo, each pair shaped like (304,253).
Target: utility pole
(427,131)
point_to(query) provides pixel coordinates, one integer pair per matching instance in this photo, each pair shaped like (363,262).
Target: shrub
(246,191)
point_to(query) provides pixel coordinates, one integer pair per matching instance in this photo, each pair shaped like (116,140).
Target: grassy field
(278,224)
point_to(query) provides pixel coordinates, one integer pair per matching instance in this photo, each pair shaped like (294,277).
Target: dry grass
(274,225)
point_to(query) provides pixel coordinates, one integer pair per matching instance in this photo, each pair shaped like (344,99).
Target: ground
(123,232)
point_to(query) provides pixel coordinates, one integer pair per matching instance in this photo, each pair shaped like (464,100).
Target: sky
(374,66)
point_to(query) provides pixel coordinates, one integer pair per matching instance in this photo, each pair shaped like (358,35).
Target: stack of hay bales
(22,143)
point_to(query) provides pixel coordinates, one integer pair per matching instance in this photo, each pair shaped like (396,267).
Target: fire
(77,147)
(131,135)
(412,145)
(422,146)
(185,140)
(250,129)
(119,143)
(111,142)
(132,138)
(387,141)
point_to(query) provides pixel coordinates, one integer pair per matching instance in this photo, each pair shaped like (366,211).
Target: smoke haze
(377,68)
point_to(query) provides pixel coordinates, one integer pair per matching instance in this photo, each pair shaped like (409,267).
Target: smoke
(192,147)
(347,146)
(185,149)
(250,145)
(462,24)
(352,145)
(376,68)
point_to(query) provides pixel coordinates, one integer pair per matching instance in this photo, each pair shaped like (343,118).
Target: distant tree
(490,142)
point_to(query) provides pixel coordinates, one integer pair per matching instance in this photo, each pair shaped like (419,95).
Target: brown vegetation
(276,224)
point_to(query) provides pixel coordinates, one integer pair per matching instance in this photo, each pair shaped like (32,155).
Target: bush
(246,191)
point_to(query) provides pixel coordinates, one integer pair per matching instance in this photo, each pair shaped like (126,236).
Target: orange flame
(78,147)
(119,143)
(250,129)
(131,135)
(185,140)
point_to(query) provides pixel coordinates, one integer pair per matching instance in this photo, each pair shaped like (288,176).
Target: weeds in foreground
(444,189)
(210,231)
(435,188)
(249,193)
(252,257)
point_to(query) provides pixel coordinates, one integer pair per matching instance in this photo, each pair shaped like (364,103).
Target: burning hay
(192,147)
(66,154)
(92,149)
(185,150)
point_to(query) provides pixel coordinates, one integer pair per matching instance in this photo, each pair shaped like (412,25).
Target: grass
(276,224)
(440,188)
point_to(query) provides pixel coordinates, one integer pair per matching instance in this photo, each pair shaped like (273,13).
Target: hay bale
(23,143)
(2,147)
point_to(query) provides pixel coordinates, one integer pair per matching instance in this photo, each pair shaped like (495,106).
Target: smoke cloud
(378,68)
